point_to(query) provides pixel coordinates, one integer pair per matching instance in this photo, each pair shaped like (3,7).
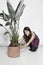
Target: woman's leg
(33,48)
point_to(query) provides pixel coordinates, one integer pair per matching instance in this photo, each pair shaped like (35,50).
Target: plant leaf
(15,37)
(1,25)
(19,6)
(10,10)
(19,13)
(1,14)
(8,23)
(6,33)
(4,16)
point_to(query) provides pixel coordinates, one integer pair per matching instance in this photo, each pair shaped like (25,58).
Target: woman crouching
(31,39)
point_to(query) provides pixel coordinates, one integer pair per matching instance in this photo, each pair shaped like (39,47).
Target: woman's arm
(33,35)
(20,40)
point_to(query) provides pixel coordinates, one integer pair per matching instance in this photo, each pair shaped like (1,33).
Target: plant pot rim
(14,45)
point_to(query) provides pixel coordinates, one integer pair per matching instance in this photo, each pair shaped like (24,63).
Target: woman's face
(27,32)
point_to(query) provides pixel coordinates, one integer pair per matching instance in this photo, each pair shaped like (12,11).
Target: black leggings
(32,48)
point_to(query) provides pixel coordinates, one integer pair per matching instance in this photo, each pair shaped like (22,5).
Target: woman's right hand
(22,46)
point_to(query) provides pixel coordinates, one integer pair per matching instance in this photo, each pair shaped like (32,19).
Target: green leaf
(4,16)
(1,25)
(1,14)
(8,23)
(6,33)
(10,10)
(19,6)
(19,13)
(15,37)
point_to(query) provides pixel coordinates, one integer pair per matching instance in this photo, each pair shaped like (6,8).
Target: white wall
(32,17)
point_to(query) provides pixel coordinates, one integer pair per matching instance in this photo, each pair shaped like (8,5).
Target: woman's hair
(27,38)
(26,28)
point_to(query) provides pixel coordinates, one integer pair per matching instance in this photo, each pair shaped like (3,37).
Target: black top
(27,38)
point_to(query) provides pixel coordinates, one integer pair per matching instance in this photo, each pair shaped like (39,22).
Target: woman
(30,38)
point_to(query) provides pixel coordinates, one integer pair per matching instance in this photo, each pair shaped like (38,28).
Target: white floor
(26,57)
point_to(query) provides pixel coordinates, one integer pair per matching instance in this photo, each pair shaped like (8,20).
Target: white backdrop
(32,17)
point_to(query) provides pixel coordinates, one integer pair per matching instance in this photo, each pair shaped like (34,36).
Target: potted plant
(12,20)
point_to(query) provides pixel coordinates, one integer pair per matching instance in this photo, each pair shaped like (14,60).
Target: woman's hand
(21,47)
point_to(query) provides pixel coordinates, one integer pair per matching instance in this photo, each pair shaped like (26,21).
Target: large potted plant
(12,20)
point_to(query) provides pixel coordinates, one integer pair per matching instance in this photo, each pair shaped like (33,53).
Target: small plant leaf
(1,25)
(4,16)
(1,14)
(6,33)
(8,23)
